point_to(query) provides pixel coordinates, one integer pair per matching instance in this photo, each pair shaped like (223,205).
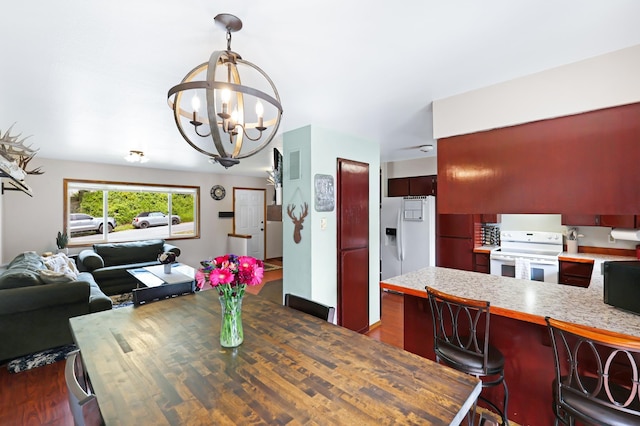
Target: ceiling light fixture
(136,157)
(231,125)
(426,148)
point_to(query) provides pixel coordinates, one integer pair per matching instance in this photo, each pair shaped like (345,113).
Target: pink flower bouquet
(230,274)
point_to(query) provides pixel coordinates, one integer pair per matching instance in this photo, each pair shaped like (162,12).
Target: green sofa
(108,263)
(36,304)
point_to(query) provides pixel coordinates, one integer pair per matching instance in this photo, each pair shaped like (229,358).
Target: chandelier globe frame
(230,126)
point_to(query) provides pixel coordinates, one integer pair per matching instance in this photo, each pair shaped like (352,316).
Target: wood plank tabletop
(162,363)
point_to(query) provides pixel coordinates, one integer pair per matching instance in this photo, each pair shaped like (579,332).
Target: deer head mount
(12,148)
(297,221)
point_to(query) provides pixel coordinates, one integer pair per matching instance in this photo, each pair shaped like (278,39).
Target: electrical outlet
(611,239)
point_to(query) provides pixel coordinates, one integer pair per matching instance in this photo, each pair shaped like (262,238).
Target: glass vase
(231,333)
(167,268)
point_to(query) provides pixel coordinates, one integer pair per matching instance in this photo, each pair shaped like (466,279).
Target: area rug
(122,300)
(272,291)
(39,359)
(271,267)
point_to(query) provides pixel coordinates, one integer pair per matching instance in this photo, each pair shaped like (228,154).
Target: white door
(249,218)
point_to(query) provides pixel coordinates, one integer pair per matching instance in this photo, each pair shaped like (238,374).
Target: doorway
(248,219)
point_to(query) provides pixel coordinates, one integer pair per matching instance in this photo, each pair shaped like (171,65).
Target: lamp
(136,157)
(236,132)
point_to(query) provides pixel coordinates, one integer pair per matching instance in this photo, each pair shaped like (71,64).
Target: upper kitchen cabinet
(612,221)
(416,185)
(578,164)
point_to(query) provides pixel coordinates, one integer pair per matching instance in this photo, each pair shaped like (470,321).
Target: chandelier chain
(228,40)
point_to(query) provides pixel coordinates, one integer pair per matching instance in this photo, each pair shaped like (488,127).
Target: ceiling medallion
(235,130)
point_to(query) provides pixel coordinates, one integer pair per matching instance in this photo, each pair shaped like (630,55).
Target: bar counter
(518,308)
(525,300)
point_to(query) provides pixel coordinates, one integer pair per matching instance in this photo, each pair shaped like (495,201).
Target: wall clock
(218,192)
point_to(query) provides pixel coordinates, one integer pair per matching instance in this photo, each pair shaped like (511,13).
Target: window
(97,212)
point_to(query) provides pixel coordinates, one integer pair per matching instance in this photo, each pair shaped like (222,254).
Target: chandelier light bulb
(225,101)
(195,103)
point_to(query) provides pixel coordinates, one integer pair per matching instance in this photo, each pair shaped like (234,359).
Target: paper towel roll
(626,234)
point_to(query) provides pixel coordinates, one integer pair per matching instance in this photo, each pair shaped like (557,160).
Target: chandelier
(229,87)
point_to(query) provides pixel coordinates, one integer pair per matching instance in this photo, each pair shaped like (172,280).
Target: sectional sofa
(38,295)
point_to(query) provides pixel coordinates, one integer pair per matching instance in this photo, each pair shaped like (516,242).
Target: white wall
(600,82)
(31,224)
(311,266)
(418,167)
(594,236)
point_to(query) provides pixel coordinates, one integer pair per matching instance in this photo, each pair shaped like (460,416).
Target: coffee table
(154,284)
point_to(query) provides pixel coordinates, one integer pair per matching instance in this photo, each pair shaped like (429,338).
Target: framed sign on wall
(324,193)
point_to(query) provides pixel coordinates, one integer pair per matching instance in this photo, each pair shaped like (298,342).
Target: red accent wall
(579,164)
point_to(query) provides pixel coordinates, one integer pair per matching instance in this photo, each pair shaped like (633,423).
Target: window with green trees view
(116,212)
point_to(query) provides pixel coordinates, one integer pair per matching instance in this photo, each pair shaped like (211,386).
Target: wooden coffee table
(154,284)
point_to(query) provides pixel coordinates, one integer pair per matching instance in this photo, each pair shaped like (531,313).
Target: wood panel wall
(580,164)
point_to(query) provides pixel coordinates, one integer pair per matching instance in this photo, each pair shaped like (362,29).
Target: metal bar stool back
(461,341)
(596,375)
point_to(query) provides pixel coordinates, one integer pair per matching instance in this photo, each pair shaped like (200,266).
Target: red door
(353,244)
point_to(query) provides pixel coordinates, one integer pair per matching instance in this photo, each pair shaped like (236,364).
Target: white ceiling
(88,80)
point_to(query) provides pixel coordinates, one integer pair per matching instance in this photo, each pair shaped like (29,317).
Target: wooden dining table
(162,363)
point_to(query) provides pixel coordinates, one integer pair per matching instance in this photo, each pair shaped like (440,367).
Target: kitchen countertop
(525,300)
(484,249)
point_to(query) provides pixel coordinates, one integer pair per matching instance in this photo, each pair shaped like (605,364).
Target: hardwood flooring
(39,396)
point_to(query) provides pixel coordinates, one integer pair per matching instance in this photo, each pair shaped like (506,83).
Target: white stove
(531,255)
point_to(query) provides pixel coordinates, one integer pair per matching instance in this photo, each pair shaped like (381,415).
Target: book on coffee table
(174,277)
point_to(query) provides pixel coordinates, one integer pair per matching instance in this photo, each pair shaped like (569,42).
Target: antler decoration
(297,221)
(14,149)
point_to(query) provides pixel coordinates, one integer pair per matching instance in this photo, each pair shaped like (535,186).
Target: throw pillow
(61,263)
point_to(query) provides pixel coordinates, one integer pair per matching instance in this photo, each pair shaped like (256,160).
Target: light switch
(323,223)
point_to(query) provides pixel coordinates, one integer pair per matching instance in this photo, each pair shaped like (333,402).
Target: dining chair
(82,402)
(461,341)
(309,307)
(597,375)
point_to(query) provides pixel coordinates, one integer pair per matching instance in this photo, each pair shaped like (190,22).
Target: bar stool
(596,375)
(461,341)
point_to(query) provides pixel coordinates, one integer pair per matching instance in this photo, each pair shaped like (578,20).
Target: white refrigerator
(407,235)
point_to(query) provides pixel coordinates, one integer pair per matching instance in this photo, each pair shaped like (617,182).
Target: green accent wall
(311,265)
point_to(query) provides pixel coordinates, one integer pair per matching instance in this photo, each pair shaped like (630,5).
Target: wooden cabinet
(481,263)
(610,220)
(549,166)
(454,225)
(398,187)
(618,221)
(454,241)
(415,185)
(575,273)
(490,218)
(456,253)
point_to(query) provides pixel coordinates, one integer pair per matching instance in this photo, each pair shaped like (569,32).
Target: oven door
(505,265)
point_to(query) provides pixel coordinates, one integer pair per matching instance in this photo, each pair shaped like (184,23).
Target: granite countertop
(523,299)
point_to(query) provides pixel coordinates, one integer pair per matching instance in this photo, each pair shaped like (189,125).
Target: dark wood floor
(39,396)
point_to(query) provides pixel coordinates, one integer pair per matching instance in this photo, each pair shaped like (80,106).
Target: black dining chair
(597,375)
(461,341)
(309,307)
